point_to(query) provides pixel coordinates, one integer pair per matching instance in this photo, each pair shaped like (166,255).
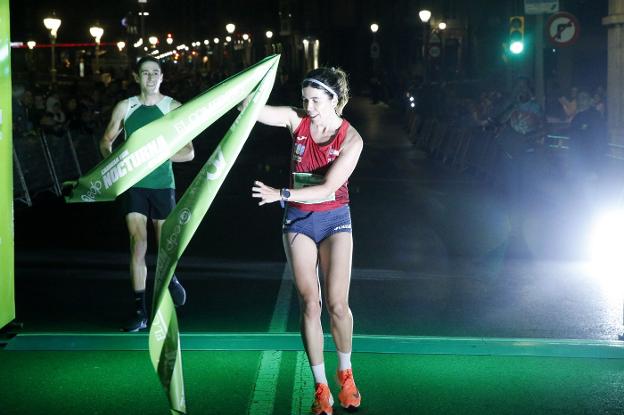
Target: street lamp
(442,26)
(269,34)
(425,15)
(121,45)
(52,24)
(97,33)
(230,28)
(245,36)
(153,40)
(31,44)
(374,27)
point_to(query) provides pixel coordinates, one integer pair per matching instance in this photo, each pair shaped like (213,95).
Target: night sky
(190,19)
(341,25)
(184,18)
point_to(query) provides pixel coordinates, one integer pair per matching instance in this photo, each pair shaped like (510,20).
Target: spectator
(516,140)
(54,119)
(588,134)
(526,116)
(38,112)
(569,103)
(599,101)
(22,106)
(72,113)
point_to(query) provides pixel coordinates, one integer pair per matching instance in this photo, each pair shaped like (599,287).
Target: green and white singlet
(137,116)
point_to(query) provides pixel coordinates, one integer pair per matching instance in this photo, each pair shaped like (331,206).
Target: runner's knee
(311,308)
(338,309)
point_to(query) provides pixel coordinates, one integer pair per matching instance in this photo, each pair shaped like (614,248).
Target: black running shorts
(153,203)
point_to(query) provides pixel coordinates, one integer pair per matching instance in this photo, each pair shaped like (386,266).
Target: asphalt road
(434,253)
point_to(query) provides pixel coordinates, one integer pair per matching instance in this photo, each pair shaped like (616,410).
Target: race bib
(302,180)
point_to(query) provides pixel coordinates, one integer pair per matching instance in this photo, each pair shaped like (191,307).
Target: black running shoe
(177,291)
(136,323)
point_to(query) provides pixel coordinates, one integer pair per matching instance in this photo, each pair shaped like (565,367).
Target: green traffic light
(516,47)
(516,34)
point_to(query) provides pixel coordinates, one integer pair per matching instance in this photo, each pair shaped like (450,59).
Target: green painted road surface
(223,382)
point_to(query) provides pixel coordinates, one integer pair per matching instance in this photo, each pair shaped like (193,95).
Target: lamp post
(52,24)
(374,47)
(441,29)
(247,50)
(228,47)
(142,14)
(424,16)
(30,58)
(97,32)
(269,46)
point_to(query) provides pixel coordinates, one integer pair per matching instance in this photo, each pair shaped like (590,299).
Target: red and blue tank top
(310,162)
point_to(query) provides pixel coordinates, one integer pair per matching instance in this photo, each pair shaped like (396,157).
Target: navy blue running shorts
(153,203)
(317,225)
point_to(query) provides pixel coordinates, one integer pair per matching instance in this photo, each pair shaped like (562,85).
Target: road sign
(541,6)
(563,29)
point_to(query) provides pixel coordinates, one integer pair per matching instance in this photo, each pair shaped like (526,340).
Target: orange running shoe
(323,400)
(349,395)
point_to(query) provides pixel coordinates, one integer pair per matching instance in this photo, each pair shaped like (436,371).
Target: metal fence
(43,161)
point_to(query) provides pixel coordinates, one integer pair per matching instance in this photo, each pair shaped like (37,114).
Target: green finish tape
(180,226)
(149,147)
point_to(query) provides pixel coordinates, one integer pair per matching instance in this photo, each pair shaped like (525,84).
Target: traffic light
(516,34)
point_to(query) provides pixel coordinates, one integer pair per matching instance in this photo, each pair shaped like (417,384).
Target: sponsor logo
(301,137)
(202,115)
(173,239)
(298,152)
(332,154)
(150,154)
(217,160)
(347,226)
(185,216)
(94,190)
(158,327)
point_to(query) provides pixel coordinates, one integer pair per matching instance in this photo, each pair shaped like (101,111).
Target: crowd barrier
(463,148)
(43,161)
(550,157)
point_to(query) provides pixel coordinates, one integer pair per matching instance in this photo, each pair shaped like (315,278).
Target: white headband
(316,81)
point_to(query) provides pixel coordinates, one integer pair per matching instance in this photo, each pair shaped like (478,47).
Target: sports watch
(284,196)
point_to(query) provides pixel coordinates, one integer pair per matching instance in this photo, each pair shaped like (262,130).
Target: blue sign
(541,6)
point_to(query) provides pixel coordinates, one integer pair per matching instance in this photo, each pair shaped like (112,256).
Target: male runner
(153,197)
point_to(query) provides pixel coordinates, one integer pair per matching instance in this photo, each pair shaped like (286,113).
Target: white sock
(344,361)
(319,373)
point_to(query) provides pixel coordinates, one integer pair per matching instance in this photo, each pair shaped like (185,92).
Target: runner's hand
(265,193)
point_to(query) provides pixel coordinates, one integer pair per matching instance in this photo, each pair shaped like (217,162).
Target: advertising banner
(7,294)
